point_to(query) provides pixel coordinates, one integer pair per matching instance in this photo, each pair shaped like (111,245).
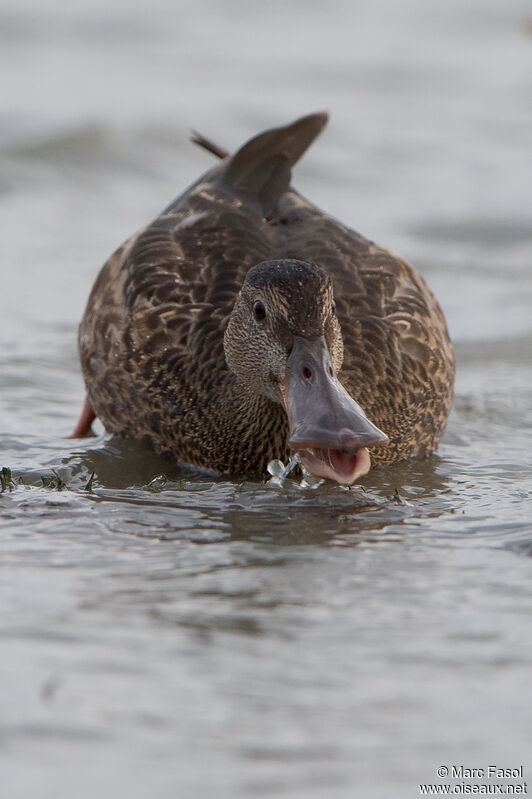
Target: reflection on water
(166,500)
(168,632)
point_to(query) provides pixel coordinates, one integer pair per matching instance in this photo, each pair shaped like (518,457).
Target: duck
(245,325)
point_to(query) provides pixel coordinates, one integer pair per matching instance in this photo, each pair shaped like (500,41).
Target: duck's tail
(208,144)
(262,166)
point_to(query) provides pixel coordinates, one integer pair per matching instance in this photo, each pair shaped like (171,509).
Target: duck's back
(151,340)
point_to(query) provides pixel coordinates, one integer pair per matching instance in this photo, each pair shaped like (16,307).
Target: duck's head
(283,341)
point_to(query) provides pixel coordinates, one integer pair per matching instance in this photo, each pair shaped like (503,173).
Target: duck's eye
(259,310)
(333,307)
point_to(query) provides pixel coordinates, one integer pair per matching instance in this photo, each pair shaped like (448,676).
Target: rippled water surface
(168,633)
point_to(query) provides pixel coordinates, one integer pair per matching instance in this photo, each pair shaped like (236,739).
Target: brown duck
(244,323)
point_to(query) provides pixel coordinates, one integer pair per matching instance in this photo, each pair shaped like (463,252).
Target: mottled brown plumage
(152,337)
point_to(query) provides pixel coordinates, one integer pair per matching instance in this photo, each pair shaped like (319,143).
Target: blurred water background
(198,637)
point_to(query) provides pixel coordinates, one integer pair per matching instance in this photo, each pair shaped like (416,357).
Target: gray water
(195,636)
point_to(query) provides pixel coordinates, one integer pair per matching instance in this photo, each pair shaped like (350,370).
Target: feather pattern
(152,337)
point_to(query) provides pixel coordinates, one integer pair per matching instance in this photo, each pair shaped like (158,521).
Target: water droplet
(275,468)
(310,480)
(279,471)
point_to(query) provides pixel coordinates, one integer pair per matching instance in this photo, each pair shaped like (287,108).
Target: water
(189,635)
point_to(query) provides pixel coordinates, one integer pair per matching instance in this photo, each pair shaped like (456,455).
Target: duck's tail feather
(208,145)
(263,165)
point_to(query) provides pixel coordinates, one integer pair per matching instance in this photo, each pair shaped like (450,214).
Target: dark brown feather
(151,340)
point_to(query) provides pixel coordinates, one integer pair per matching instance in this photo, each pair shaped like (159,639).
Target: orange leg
(83,427)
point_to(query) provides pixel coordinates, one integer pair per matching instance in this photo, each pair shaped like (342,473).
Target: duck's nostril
(307,373)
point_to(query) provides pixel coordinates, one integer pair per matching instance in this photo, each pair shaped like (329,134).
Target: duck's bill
(328,429)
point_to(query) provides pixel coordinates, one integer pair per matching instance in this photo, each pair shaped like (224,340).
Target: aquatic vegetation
(90,481)
(6,480)
(53,481)
(157,483)
(160,482)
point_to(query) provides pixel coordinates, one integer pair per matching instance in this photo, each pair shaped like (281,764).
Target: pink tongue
(335,465)
(341,462)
